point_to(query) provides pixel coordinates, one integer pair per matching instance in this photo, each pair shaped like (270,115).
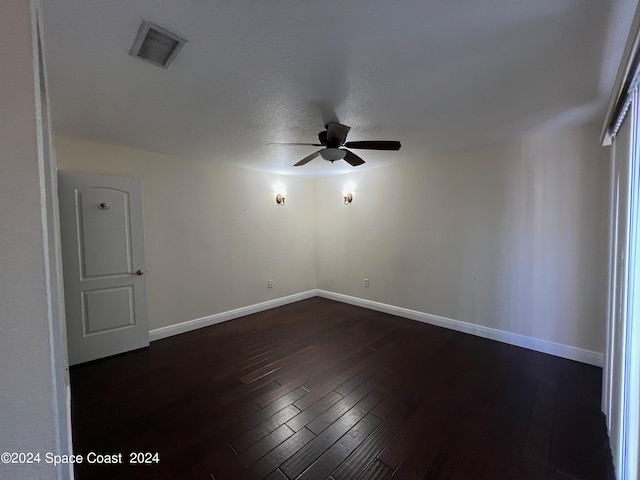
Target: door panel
(103,258)
(107,309)
(104,218)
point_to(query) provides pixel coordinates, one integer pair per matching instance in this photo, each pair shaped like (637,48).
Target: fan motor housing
(322,136)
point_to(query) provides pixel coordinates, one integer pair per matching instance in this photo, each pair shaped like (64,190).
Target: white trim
(544,346)
(164,332)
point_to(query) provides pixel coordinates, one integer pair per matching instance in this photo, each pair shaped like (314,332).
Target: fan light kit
(334,141)
(333,154)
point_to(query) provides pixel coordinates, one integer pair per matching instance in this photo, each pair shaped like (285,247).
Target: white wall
(214,234)
(512,236)
(33,412)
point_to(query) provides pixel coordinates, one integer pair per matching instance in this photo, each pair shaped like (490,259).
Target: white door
(103,260)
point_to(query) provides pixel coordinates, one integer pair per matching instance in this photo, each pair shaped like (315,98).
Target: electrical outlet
(366,282)
(270,284)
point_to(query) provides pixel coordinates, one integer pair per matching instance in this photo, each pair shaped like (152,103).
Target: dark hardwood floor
(324,390)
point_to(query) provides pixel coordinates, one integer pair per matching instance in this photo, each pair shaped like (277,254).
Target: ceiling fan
(333,139)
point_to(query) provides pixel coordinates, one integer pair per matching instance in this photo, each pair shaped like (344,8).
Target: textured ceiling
(437,75)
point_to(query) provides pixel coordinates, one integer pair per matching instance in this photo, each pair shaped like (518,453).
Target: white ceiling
(438,75)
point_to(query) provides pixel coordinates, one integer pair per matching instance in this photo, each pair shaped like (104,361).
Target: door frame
(61,386)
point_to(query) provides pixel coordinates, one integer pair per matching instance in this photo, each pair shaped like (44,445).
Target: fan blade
(337,133)
(374,145)
(353,159)
(305,144)
(307,159)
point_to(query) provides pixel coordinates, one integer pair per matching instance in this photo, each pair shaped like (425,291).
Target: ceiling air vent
(157,45)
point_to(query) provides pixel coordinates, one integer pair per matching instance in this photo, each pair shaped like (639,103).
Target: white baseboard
(164,332)
(544,346)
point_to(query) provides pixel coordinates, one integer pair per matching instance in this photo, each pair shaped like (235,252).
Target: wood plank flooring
(323,390)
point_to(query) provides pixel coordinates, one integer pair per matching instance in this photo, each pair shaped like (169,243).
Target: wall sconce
(347,192)
(281,194)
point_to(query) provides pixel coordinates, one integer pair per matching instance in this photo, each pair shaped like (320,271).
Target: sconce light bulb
(348,188)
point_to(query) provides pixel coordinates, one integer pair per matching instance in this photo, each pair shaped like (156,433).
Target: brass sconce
(347,192)
(281,193)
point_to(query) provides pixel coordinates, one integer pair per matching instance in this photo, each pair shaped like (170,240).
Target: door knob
(140,272)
